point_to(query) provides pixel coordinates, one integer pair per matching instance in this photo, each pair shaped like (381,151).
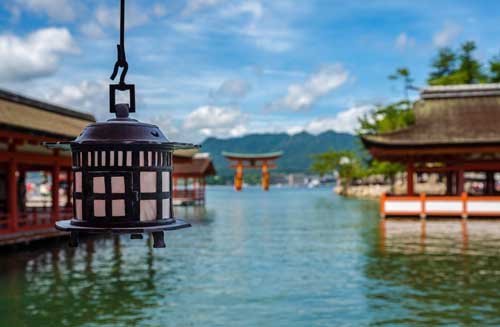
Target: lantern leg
(136,236)
(158,240)
(73,239)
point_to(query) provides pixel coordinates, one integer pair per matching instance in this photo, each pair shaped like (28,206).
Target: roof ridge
(460,91)
(21,99)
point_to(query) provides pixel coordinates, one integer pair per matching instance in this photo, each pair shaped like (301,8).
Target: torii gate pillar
(263,161)
(238,177)
(265,176)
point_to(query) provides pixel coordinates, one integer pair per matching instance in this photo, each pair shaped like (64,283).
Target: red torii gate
(263,161)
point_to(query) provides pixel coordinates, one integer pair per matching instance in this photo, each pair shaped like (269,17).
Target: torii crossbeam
(263,161)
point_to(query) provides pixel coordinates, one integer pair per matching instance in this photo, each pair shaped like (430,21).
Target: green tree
(388,118)
(403,74)
(451,69)
(345,163)
(494,64)
(469,67)
(443,66)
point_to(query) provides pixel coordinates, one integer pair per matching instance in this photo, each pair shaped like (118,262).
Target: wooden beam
(399,154)
(35,158)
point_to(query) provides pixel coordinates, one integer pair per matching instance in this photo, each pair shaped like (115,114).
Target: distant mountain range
(297,148)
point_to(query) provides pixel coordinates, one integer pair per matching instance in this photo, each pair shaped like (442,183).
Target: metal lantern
(122,172)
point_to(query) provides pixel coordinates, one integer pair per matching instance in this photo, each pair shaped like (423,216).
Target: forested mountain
(297,148)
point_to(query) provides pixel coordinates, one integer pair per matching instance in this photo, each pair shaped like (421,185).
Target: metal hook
(121,58)
(121,62)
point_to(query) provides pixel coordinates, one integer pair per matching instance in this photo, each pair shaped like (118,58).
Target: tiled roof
(451,115)
(195,167)
(33,116)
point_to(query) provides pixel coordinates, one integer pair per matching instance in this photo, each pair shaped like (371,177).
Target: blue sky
(227,68)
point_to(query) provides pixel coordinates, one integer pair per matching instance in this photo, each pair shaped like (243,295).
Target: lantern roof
(125,130)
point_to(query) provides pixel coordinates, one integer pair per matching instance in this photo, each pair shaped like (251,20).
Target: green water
(283,258)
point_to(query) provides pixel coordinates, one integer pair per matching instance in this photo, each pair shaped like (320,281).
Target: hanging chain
(121,60)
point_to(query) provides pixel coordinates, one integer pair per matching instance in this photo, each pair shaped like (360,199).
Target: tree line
(448,67)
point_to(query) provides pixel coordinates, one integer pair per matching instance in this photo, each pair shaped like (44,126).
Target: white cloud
(233,88)
(193,6)
(93,30)
(170,127)
(106,17)
(269,36)
(252,8)
(88,96)
(264,24)
(345,121)
(36,55)
(404,41)
(447,34)
(61,10)
(216,121)
(303,96)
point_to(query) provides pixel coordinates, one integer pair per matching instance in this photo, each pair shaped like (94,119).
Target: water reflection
(282,258)
(64,281)
(436,272)
(194,214)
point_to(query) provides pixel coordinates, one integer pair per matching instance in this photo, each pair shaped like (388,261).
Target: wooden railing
(446,206)
(32,219)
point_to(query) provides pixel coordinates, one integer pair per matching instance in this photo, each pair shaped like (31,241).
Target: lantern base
(114,223)
(67,226)
(155,230)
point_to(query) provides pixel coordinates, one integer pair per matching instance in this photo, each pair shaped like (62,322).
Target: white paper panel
(99,208)
(118,208)
(165,181)
(129,158)
(141,158)
(148,182)
(78,209)
(103,158)
(118,184)
(96,159)
(443,206)
(150,158)
(166,208)
(78,181)
(402,206)
(111,158)
(483,206)
(89,157)
(148,210)
(99,184)
(120,158)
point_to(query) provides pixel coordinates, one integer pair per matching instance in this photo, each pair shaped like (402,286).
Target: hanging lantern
(122,172)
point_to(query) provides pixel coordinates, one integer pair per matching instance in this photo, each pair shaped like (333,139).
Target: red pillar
(460,182)
(12,200)
(55,192)
(410,170)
